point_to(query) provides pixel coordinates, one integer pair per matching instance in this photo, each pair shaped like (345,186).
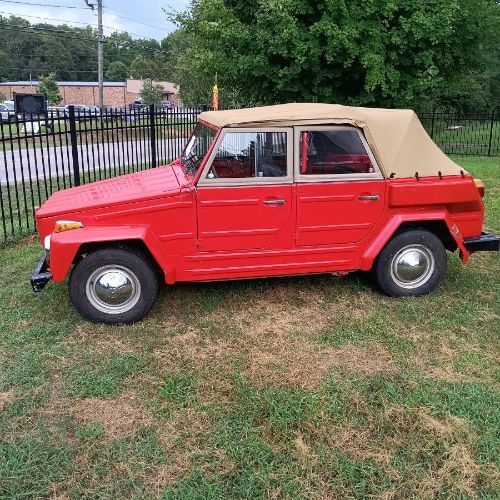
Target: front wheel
(412,263)
(113,286)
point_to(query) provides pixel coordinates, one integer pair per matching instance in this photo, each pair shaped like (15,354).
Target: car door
(244,194)
(340,188)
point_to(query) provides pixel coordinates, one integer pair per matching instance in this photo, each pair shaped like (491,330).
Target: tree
(141,68)
(28,50)
(154,68)
(2,97)
(386,53)
(117,72)
(151,93)
(48,87)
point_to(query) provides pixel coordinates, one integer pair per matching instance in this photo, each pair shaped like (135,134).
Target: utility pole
(100,43)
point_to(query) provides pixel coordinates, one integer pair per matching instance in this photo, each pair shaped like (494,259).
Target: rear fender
(376,246)
(64,246)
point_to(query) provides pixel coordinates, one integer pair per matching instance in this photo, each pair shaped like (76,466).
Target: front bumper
(487,242)
(41,275)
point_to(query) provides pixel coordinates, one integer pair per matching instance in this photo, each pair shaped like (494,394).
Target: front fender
(384,235)
(64,246)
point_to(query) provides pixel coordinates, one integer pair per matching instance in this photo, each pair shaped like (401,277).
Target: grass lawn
(307,387)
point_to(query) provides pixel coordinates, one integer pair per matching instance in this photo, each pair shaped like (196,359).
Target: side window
(250,155)
(333,152)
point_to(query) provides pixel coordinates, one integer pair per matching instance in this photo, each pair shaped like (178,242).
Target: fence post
(491,132)
(432,122)
(74,145)
(152,135)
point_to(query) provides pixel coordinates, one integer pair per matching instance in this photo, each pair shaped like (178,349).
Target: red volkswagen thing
(271,191)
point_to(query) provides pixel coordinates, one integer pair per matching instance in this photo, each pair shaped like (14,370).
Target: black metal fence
(475,134)
(40,155)
(66,148)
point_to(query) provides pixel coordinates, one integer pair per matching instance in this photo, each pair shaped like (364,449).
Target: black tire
(136,277)
(416,251)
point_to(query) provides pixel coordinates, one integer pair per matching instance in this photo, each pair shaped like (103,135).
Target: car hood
(153,183)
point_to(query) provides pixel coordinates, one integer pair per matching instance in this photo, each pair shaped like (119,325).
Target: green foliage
(386,53)
(29,53)
(141,68)
(25,53)
(48,87)
(148,68)
(2,97)
(117,72)
(151,93)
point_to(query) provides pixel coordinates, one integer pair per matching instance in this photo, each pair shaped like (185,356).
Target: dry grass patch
(359,443)
(276,312)
(119,416)
(450,425)
(99,338)
(5,398)
(297,362)
(458,471)
(439,362)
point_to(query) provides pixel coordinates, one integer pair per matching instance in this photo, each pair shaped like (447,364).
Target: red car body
(196,232)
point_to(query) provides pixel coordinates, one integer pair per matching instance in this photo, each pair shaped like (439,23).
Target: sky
(142,19)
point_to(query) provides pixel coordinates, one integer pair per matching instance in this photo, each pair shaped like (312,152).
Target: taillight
(480,186)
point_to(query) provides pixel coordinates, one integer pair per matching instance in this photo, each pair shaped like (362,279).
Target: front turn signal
(66,225)
(479,186)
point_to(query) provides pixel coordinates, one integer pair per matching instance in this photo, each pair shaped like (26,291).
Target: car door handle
(279,201)
(369,197)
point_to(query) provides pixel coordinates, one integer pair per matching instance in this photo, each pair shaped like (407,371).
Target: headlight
(46,246)
(66,225)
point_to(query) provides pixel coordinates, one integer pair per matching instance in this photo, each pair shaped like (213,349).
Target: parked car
(82,111)
(271,191)
(7,113)
(57,112)
(137,105)
(113,112)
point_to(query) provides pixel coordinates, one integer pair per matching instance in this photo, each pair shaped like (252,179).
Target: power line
(136,16)
(136,21)
(35,70)
(74,22)
(40,31)
(44,4)
(45,18)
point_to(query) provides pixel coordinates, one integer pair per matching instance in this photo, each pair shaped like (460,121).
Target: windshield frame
(196,174)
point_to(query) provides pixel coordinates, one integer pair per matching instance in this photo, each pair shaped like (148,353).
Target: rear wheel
(113,286)
(412,263)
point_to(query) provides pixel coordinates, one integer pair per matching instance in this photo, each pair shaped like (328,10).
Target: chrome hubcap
(113,289)
(412,266)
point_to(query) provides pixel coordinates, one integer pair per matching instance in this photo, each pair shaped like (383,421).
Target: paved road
(57,161)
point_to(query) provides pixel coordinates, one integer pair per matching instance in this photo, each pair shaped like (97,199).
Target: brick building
(115,93)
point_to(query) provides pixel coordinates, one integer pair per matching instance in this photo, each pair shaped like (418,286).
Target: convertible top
(397,138)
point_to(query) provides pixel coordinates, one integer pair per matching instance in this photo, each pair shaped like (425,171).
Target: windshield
(9,105)
(197,148)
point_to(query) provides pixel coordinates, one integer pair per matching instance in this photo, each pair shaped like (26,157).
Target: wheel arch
(135,244)
(67,248)
(437,227)
(438,223)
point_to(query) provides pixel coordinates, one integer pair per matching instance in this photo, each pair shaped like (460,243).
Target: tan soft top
(396,136)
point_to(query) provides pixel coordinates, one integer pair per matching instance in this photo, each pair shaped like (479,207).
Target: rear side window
(250,155)
(333,152)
